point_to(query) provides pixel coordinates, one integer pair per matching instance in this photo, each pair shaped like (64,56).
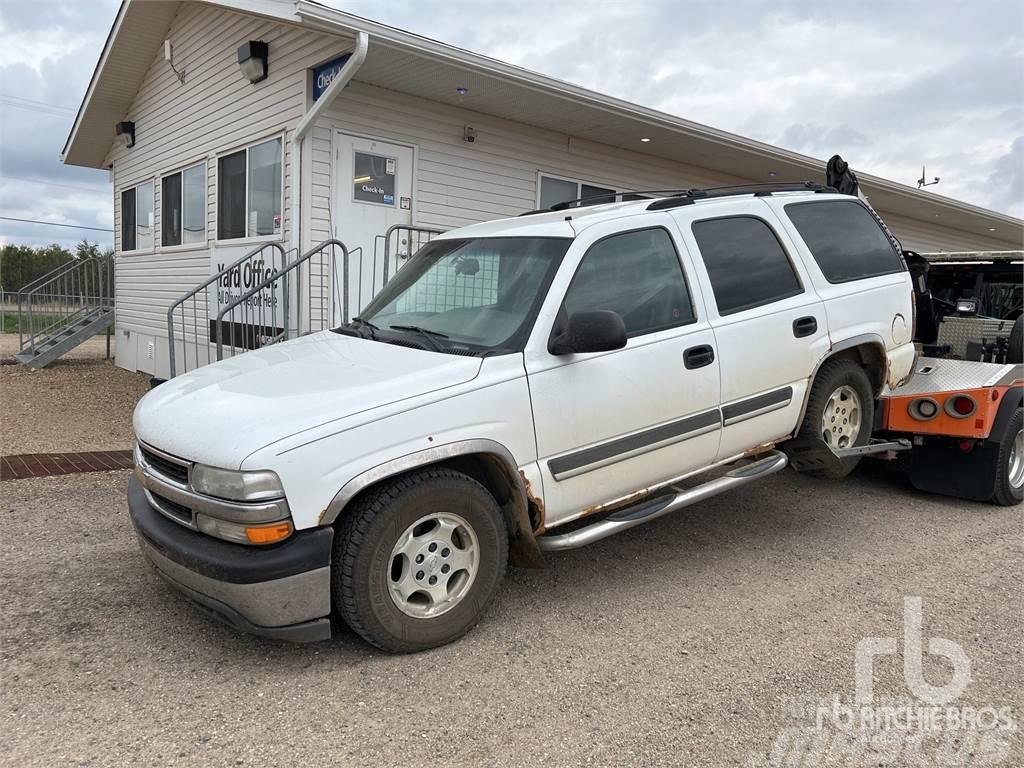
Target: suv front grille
(172,509)
(172,470)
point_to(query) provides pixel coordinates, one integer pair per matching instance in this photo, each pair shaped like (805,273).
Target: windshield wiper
(427,334)
(365,324)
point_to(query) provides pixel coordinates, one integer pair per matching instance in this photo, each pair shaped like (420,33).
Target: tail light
(923,409)
(960,406)
(913,316)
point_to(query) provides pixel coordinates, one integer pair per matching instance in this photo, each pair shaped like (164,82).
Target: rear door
(769,323)
(609,424)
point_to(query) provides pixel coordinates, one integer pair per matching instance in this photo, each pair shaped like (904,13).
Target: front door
(610,424)
(373,193)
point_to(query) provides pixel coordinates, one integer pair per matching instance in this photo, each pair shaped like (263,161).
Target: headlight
(231,484)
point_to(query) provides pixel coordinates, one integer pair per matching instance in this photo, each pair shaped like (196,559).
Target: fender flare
(841,346)
(524,548)
(1012,400)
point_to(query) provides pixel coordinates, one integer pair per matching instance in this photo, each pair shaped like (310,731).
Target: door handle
(805,326)
(698,357)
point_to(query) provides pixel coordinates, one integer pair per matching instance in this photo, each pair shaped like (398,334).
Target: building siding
(456,183)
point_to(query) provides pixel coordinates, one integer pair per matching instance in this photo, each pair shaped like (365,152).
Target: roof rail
(691,196)
(604,196)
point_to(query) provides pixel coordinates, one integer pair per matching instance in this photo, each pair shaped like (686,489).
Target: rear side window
(844,239)
(746,263)
(636,274)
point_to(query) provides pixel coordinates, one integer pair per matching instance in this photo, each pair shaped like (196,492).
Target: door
(610,424)
(769,323)
(373,192)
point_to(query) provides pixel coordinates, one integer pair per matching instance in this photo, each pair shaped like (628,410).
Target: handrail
(410,229)
(75,288)
(194,292)
(283,275)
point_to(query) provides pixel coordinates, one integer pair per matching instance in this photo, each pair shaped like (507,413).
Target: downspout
(338,84)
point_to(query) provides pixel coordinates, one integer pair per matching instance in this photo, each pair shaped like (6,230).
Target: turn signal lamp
(268,534)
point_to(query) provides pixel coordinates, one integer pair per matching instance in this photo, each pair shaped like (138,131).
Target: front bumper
(282,591)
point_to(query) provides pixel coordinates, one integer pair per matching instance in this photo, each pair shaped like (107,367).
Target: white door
(373,192)
(609,424)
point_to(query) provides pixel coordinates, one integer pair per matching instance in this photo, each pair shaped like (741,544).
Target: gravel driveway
(679,643)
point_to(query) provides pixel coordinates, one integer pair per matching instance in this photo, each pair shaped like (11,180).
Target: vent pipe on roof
(339,82)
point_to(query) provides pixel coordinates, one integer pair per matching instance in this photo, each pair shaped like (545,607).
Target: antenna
(923,182)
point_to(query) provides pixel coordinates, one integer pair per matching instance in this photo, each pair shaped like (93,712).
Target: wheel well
(523,513)
(871,357)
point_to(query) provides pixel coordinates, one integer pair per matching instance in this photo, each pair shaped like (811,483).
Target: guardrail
(198,300)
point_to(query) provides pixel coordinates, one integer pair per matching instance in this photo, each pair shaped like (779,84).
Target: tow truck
(957,425)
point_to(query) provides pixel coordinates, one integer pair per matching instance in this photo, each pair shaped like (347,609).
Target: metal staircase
(63,308)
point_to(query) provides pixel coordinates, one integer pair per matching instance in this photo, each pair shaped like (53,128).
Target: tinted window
(128,220)
(637,275)
(844,239)
(231,196)
(170,212)
(745,262)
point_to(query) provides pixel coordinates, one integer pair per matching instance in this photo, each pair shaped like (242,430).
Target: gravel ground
(82,402)
(679,643)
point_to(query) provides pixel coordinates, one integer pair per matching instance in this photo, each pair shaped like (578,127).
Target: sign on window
(374,178)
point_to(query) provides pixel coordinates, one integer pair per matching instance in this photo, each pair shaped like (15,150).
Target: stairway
(49,346)
(63,308)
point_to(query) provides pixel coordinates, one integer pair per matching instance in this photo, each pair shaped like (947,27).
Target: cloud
(891,86)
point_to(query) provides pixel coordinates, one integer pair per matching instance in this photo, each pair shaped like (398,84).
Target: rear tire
(418,560)
(1009,488)
(840,392)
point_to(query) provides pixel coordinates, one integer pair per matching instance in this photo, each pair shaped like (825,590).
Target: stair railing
(400,241)
(191,312)
(63,296)
(307,295)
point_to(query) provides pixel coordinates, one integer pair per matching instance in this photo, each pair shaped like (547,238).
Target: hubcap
(1017,460)
(840,421)
(433,565)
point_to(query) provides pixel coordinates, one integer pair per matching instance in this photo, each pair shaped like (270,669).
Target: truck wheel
(418,560)
(840,413)
(1015,353)
(1010,468)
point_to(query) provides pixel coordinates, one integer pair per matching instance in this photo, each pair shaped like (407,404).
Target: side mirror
(598,331)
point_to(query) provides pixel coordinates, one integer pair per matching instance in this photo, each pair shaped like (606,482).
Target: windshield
(469,295)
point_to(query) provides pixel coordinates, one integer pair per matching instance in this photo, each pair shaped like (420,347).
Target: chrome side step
(630,517)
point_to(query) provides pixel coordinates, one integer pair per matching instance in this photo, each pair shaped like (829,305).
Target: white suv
(520,386)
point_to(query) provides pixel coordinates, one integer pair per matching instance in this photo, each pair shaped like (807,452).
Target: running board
(630,517)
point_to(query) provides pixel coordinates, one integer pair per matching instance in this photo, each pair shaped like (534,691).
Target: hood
(220,413)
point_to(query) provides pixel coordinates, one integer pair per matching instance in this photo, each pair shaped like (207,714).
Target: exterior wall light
(126,133)
(252,60)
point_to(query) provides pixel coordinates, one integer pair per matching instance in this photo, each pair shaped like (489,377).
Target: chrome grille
(170,468)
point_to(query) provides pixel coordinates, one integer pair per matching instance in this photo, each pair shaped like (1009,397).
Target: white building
(209,165)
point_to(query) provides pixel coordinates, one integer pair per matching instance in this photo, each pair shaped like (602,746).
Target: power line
(54,224)
(31,102)
(30,180)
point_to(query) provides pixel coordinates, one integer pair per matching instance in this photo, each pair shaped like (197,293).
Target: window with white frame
(554,190)
(137,218)
(249,191)
(183,207)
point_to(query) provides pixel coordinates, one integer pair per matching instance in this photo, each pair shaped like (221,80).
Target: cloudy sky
(890,85)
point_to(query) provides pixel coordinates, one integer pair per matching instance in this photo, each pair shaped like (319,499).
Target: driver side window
(636,274)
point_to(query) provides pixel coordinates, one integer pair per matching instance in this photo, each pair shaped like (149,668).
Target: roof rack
(690,196)
(604,196)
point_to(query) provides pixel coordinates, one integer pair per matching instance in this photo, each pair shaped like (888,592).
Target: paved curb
(25,465)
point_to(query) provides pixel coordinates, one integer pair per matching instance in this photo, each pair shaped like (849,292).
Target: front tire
(840,412)
(418,560)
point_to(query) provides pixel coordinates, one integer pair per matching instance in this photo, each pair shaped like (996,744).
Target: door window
(373,179)
(746,263)
(637,275)
(844,239)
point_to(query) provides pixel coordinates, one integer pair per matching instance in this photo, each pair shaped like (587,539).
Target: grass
(9,321)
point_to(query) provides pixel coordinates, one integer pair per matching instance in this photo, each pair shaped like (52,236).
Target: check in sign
(325,73)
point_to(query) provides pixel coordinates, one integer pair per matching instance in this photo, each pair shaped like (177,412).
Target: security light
(126,133)
(252,60)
